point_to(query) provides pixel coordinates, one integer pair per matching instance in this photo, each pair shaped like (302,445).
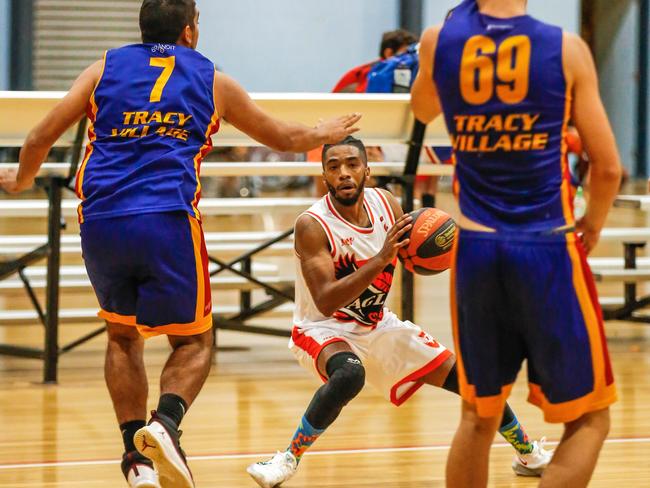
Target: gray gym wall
(306,45)
(293,45)
(4,44)
(616,53)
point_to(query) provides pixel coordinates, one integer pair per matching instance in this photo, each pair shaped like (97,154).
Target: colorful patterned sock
(514,433)
(304,437)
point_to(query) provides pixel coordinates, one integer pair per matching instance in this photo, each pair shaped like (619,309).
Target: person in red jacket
(392,43)
(356,81)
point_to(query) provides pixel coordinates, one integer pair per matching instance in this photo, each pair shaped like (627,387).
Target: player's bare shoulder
(576,56)
(428,44)
(431,34)
(310,238)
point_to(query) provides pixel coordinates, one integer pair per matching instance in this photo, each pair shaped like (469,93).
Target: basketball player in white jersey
(346,250)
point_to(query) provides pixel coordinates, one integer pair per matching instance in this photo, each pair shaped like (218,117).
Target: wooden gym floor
(66,436)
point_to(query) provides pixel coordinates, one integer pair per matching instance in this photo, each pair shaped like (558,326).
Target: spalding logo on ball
(432,237)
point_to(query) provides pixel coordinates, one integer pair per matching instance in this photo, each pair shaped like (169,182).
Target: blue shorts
(529,296)
(150,271)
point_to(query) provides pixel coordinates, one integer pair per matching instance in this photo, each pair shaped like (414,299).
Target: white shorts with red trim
(396,354)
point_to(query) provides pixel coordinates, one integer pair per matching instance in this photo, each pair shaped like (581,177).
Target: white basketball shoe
(275,471)
(138,471)
(159,441)
(533,463)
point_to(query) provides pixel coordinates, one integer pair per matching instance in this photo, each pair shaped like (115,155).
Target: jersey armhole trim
(386,205)
(328,232)
(214,94)
(435,51)
(101,75)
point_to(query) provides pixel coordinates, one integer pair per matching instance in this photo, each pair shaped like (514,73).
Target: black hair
(348,141)
(163,21)
(395,40)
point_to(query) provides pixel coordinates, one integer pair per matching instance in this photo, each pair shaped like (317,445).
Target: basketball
(432,237)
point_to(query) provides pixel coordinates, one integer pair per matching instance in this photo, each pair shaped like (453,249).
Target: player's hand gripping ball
(432,237)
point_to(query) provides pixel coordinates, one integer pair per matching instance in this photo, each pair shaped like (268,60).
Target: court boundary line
(263,455)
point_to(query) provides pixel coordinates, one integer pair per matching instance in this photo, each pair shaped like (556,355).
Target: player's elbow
(423,114)
(35,141)
(325,304)
(610,173)
(326,309)
(615,174)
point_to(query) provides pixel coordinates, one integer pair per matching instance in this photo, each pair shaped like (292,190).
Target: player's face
(345,174)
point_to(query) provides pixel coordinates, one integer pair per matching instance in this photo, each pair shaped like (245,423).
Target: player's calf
(347,377)
(575,457)
(531,458)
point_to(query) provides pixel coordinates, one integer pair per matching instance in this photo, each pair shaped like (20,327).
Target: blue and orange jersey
(151,117)
(506,103)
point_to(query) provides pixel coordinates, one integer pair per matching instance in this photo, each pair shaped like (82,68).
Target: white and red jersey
(351,247)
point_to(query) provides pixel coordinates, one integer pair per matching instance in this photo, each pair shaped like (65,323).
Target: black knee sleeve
(346,375)
(346,379)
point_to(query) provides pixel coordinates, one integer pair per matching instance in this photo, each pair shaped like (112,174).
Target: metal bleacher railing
(386,119)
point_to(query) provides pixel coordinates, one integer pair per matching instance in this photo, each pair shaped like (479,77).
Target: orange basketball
(432,237)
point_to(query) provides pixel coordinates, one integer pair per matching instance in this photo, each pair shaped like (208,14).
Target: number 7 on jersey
(167,64)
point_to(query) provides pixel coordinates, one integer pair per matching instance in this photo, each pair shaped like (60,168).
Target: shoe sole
(146,484)
(172,471)
(257,477)
(524,471)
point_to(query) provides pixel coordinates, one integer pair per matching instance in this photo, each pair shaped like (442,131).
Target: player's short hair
(348,141)
(396,39)
(163,21)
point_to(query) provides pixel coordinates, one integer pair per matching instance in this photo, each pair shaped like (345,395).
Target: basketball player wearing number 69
(508,85)
(153,108)
(346,251)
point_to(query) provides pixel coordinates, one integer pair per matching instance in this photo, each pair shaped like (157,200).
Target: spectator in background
(356,81)
(392,43)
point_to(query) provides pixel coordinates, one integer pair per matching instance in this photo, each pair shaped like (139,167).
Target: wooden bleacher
(387,120)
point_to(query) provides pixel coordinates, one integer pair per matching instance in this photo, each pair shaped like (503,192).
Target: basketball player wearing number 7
(153,108)
(508,85)
(346,252)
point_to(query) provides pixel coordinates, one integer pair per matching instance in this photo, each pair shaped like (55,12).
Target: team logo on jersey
(493,27)
(347,241)
(161,48)
(368,308)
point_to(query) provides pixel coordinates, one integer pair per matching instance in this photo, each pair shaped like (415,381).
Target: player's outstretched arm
(328,292)
(40,139)
(424,95)
(593,126)
(237,108)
